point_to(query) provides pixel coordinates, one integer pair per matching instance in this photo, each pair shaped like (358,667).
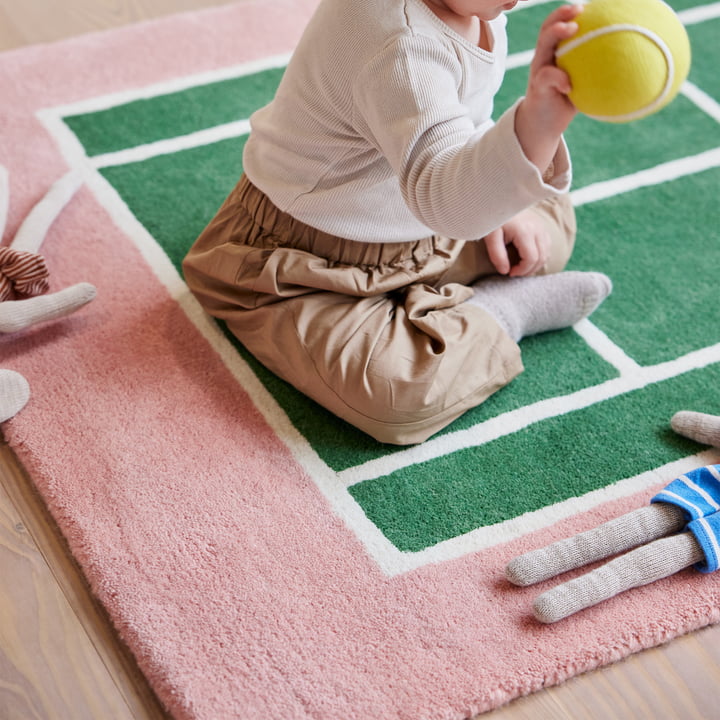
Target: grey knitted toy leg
(615,536)
(701,427)
(641,566)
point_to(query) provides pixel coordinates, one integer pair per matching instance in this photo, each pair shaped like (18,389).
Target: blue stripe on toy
(696,492)
(707,532)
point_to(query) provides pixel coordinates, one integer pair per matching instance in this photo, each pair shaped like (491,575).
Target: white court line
(704,101)
(172,85)
(519,59)
(172,145)
(699,14)
(665,172)
(603,346)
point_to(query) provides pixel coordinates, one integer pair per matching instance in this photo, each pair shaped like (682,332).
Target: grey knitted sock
(531,305)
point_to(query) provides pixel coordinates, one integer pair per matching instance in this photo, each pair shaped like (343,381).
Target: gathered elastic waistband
(281,229)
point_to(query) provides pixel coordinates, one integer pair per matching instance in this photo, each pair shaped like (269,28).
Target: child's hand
(527,234)
(546,111)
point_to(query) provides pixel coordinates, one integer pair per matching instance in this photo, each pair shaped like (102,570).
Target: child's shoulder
(380,18)
(361,30)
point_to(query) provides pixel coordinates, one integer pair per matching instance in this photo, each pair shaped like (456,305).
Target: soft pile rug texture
(262,559)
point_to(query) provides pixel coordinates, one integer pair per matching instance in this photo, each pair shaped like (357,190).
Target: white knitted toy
(23,280)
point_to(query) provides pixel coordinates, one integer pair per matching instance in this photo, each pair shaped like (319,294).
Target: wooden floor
(59,656)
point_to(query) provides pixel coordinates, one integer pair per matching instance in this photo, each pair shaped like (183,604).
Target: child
(388,244)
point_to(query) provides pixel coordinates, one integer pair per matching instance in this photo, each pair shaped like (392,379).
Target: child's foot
(531,305)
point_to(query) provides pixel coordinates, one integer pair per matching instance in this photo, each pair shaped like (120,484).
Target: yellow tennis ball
(627,60)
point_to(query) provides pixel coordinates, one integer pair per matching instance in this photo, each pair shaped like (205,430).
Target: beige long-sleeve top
(381,129)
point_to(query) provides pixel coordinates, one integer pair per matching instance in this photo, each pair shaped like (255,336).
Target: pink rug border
(444,641)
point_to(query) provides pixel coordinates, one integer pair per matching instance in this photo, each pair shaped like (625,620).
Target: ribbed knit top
(381,129)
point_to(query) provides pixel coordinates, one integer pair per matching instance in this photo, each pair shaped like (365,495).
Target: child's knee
(407,412)
(395,429)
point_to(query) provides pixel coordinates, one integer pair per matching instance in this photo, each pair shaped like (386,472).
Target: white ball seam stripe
(627,27)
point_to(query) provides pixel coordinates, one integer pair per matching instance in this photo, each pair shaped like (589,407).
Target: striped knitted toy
(680,528)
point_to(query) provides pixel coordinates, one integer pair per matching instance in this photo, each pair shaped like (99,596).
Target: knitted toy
(681,527)
(24,277)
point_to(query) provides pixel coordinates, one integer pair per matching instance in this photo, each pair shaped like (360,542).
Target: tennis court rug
(262,559)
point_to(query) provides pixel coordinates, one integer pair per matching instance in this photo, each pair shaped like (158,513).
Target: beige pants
(378,333)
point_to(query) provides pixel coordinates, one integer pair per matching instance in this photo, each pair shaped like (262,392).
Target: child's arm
(545,112)
(540,120)
(459,176)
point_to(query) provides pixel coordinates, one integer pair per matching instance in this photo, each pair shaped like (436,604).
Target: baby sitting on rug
(681,527)
(388,244)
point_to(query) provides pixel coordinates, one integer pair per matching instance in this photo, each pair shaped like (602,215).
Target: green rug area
(174,114)
(556,459)
(658,243)
(663,264)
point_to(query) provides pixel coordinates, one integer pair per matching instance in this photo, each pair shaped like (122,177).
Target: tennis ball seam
(576,42)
